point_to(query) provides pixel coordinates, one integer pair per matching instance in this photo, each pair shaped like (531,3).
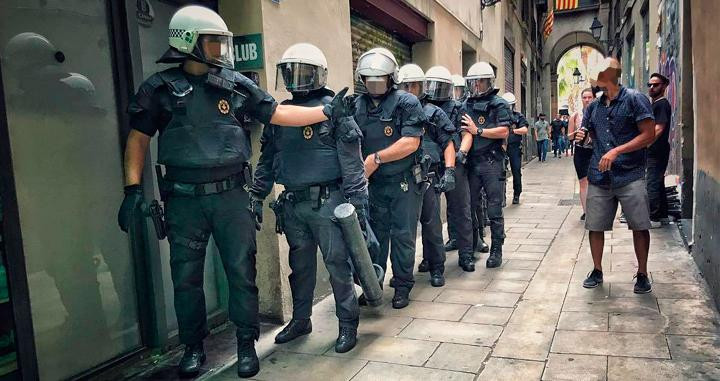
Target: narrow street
(529,319)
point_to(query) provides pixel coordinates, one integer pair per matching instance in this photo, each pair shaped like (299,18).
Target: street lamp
(578,76)
(596,28)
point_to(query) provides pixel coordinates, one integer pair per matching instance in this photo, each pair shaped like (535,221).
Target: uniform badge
(481,119)
(388,131)
(224,106)
(307,132)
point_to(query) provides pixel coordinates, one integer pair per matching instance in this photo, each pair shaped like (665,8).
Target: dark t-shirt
(557,127)
(663,115)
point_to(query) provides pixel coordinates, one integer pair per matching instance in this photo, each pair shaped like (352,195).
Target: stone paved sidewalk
(530,319)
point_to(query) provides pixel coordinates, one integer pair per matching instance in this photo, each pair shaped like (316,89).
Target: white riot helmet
(302,68)
(480,79)
(458,80)
(201,33)
(438,84)
(374,68)
(412,79)
(509,98)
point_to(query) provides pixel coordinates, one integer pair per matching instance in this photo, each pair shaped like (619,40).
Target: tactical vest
(480,110)
(452,109)
(430,147)
(203,131)
(307,155)
(515,139)
(381,127)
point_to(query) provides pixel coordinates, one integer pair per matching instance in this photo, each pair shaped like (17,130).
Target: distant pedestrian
(541,133)
(556,134)
(659,151)
(583,151)
(621,124)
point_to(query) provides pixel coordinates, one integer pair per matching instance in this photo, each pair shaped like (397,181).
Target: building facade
(69,277)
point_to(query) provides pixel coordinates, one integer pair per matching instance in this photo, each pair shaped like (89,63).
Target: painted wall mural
(668,46)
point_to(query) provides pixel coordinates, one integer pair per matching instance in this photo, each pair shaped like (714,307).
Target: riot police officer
(197,108)
(439,87)
(487,116)
(392,123)
(320,167)
(518,128)
(438,151)
(459,92)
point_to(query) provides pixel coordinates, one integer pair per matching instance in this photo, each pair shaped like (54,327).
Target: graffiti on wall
(669,65)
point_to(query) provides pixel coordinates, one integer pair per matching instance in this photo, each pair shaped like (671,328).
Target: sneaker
(642,284)
(655,224)
(582,218)
(622,219)
(594,279)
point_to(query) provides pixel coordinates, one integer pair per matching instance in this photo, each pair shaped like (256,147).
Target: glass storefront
(8,354)
(64,138)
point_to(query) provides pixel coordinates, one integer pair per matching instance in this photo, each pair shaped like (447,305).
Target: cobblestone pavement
(530,319)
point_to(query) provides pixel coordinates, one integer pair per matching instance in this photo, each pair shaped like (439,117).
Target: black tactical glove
(447,182)
(460,157)
(131,204)
(256,208)
(337,108)
(362,210)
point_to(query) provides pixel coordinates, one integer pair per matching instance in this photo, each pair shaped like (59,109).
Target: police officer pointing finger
(197,108)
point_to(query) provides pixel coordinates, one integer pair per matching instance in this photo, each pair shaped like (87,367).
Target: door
(64,140)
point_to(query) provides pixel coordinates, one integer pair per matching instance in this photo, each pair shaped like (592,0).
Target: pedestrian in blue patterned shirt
(621,125)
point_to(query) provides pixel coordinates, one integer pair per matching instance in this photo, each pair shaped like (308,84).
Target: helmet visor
(216,50)
(296,76)
(376,85)
(438,91)
(414,87)
(477,87)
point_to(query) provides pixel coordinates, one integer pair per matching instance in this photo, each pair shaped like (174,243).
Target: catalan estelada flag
(548,25)
(562,5)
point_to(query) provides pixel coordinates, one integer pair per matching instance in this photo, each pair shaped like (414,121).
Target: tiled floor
(530,319)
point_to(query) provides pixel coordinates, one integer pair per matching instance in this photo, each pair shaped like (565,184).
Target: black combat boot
(424,266)
(481,246)
(248,363)
(192,360)
(495,258)
(466,261)
(346,339)
(437,279)
(516,199)
(294,329)
(401,299)
(451,245)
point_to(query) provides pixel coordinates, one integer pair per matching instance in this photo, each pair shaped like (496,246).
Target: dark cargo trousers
(306,227)
(432,239)
(488,172)
(394,214)
(514,152)
(459,215)
(191,222)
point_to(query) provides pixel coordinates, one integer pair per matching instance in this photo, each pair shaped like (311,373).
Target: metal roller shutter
(509,69)
(366,35)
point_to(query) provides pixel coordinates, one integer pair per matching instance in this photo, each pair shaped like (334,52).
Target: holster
(156,213)
(278,207)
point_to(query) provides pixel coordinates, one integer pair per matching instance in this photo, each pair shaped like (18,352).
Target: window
(629,67)
(509,68)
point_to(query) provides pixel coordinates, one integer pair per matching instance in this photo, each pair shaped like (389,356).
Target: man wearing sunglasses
(658,153)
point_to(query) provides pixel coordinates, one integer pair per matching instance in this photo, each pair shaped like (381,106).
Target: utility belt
(318,193)
(315,192)
(175,188)
(494,151)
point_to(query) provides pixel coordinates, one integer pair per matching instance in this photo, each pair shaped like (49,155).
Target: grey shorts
(602,206)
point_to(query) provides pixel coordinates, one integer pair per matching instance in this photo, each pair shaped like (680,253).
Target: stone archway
(562,46)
